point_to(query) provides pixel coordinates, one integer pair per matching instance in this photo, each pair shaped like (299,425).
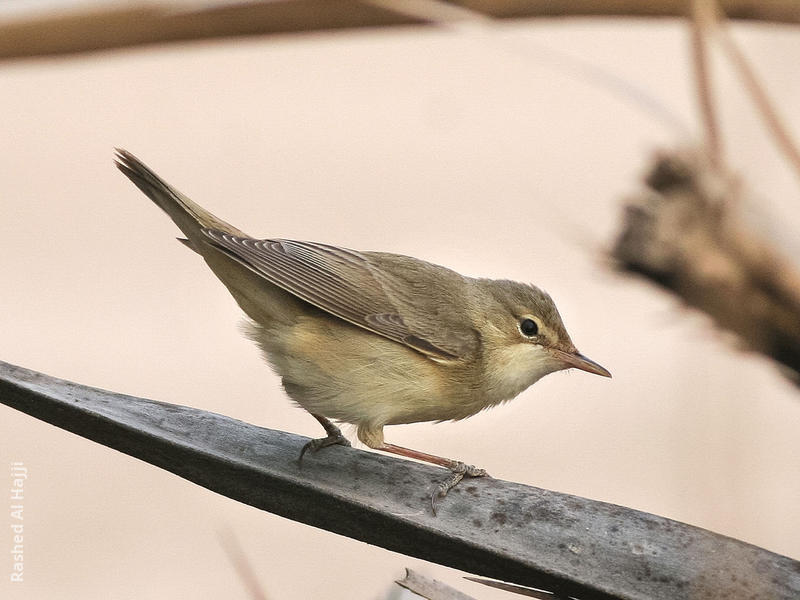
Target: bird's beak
(579,361)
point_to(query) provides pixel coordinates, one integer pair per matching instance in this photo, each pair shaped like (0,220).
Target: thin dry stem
(702,16)
(242,565)
(764,105)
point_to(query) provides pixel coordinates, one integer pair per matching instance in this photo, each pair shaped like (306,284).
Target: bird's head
(524,337)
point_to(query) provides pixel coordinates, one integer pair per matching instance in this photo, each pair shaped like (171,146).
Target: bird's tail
(188,216)
(263,302)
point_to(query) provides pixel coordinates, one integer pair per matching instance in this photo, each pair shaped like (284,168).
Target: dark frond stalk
(571,546)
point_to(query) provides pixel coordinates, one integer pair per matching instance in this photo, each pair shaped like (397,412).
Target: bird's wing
(352,286)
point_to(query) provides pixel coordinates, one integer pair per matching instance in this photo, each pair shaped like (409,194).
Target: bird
(373,338)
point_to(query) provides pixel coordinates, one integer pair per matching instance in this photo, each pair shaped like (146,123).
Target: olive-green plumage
(372,338)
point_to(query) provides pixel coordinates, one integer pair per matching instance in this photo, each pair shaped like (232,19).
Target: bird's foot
(459,471)
(333,438)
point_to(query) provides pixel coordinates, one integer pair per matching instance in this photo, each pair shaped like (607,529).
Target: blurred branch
(138,23)
(79,28)
(515,589)
(430,588)
(765,107)
(684,233)
(245,571)
(702,17)
(492,528)
(781,11)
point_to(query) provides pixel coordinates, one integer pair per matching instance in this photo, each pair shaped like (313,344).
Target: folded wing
(352,286)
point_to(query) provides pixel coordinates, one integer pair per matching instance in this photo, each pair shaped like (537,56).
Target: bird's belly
(342,372)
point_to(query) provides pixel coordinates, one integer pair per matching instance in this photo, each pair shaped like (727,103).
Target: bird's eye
(528,327)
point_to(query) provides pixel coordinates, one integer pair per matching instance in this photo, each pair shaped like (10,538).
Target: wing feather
(351,286)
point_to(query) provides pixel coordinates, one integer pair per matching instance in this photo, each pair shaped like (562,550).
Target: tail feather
(190,217)
(262,301)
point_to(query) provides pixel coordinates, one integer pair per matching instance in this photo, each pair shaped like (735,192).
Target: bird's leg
(334,437)
(459,469)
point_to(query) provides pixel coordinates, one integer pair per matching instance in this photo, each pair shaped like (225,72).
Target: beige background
(494,154)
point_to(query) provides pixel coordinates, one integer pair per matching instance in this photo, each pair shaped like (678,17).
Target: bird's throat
(513,369)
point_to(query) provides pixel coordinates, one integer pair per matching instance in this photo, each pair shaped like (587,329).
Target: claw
(459,470)
(320,443)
